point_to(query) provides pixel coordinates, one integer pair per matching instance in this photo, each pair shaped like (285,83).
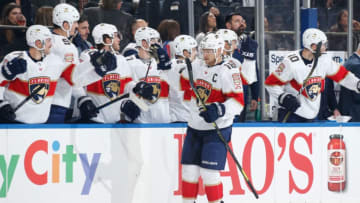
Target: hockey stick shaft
(33,93)
(202,103)
(317,55)
(141,104)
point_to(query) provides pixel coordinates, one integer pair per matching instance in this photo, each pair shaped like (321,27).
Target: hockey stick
(140,103)
(37,89)
(202,103)
(316,56)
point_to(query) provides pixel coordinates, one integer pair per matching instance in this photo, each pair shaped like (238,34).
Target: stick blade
(139,102)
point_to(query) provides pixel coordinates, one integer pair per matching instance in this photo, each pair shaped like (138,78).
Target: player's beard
(240,30)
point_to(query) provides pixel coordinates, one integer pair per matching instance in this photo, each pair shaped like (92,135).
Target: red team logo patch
(111,85)
(156,84)
(35,84)
(204,89)
(313,88)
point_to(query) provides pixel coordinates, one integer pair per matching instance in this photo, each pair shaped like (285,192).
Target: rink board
(140,163)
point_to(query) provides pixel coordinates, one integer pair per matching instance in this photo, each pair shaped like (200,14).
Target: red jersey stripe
(274,80)
(239,97)
(339,75)
(22,87)
(67,74)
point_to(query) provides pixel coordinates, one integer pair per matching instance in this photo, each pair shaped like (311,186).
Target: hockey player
(286,82)
(146,68)
(246,54)
(185,47)
(65,19)
(35,73)
(113,84)
(219,86)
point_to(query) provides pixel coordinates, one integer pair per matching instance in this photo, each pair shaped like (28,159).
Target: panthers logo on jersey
(204,90)
(111,85)
(41,86)
(156,84)
(313,88)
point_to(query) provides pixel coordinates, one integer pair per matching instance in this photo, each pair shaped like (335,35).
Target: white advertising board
(286,163)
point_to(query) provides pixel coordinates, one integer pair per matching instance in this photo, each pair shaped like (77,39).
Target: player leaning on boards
(286,82)
(185,47)
(204,154)
(38,70)
(150,66)
(113,84)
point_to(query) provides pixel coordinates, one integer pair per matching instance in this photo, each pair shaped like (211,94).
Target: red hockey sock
(190,190)
(214,192)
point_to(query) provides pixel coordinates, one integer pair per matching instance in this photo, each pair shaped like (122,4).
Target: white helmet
(212,41)
(37,32)
(65,13)
(313,36)
(228,36)
(146,33)
(184,42)
(103,29)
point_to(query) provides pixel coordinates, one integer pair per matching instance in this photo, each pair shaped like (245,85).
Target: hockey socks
(190,191)
(214,193)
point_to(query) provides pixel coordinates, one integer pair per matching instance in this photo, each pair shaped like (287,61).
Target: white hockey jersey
(44,73)
(179,108)
(67,52)
(220,83)
(159,107)
(291,73)
(112,85)
(248,72)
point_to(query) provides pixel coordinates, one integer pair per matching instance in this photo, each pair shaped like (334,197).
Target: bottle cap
(336,136)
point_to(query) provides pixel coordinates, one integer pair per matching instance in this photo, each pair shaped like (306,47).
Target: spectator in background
(246,54)
(207,24)
(43,16)
(177,10)
(202,6)
(130,48)
(109,12)
(80,40)
(340,42)
(169,29)
(12,39)
(349,100)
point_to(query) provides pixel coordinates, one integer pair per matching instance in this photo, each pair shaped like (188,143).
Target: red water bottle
(336,163)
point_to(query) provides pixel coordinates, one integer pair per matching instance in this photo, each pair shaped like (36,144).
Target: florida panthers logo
(156,84)
(41,86)
(204,89)
(313,88)
(111,85)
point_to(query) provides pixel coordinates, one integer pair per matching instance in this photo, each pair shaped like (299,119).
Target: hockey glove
(13,68)
(130,110)
(6,111)
(144,90)
(212,112)
(87,108)
(289,102)
(162,58)
(103,62)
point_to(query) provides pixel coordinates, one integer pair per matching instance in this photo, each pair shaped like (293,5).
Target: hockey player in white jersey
(148,66)
(113,84)
(130,48)
(34,74)
(185,47)
(219,86)
(302,101)
(65,19)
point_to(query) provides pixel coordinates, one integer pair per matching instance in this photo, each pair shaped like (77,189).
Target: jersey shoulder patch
(130,58)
